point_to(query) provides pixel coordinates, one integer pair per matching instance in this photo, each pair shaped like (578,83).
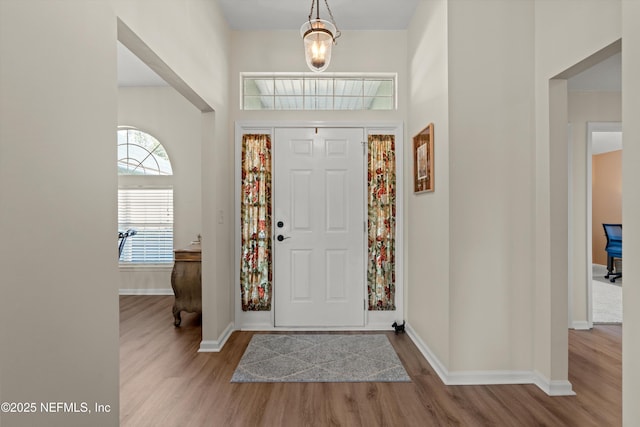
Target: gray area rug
(320,358)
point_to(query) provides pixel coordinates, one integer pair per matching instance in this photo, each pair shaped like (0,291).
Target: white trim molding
(591,128)
(216,345)
(489,377)
(160,291)
(581,325)
(433,360)
(552,388)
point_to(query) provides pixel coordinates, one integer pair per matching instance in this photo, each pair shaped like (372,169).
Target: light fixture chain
(333,21)
(311,11)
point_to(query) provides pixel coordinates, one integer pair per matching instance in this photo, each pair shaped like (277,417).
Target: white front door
(319,227)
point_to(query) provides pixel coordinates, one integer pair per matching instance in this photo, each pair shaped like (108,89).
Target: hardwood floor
(165,382)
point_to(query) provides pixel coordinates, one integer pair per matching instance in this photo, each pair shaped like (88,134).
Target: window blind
(149,211)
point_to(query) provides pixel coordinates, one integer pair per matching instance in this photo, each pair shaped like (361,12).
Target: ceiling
(290,14)
(349,15)
(604,142)
(605,76)
(283,15)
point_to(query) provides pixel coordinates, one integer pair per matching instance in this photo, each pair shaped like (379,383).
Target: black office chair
(122,239)
(613,232)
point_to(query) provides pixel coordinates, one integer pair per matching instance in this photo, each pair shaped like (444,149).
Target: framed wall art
(423,160)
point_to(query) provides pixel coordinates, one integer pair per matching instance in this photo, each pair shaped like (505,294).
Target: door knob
(281,237)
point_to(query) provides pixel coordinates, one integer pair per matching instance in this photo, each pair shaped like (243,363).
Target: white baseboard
(216,345)
(489,377)
(580,325)
(379,326)
(161,291)
(552,388)
(433,360)
(257,327)
(263,327)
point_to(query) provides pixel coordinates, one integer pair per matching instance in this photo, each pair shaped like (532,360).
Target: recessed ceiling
(290,14)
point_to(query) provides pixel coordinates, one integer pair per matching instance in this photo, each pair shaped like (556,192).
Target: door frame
(591,128)
(374,320)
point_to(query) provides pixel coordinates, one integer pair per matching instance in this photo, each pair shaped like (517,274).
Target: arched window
(141,154)
(145,200)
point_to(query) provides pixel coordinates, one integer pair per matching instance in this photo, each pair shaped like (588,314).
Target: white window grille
(141,154)
(337,91)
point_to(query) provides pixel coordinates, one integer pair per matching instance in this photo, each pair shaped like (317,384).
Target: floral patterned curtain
(381,222)
(255,223)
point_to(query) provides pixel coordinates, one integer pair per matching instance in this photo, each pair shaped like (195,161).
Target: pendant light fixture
(319,35)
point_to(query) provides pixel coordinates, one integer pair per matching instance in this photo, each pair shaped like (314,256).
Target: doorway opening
(593,93)
(152,97)
(567,208)
(604,206)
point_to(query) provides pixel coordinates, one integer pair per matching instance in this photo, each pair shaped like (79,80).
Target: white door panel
(319,199)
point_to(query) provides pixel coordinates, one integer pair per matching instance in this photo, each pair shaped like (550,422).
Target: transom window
(337,91)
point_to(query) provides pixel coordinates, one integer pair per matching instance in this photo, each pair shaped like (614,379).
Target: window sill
(146,267)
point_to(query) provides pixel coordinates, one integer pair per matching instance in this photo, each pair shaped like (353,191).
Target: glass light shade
(318,40)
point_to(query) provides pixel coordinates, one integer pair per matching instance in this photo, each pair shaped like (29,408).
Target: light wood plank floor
(165,382)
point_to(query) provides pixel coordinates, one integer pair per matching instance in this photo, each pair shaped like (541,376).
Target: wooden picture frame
(423,160)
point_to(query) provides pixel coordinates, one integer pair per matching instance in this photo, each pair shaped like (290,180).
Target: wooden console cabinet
(186,281)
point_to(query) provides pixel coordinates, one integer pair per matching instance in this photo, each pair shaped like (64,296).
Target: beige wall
(59,304)
(631,212)
(469,264)
(584,107)
(490,171)
(58,117)
(607,199)
(427,216)
(473,314)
